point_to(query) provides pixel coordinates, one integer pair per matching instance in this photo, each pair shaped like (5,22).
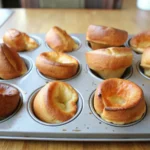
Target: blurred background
(99,4)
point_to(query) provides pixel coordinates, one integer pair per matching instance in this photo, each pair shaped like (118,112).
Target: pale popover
(140,41)
(103,37)
(11,64)
(59,40)
(19,41)
(119,101)
(109,62)
(57,65)
(56,102)
(145,61)
(9,100)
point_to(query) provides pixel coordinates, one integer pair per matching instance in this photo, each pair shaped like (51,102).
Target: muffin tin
(85,125)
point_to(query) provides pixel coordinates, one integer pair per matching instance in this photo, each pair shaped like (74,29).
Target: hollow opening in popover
(121,95)
(141,70)
(11,101)
(132,47)
(60,103)
(119,101)
(91,105)
(57,66)
(127,74)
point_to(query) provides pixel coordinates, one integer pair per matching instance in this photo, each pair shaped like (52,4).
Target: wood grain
(46,145)
(129,18)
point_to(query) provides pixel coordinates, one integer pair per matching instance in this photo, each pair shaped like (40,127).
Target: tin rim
(127,74)
(91,99)
(18,106)
(50,78)
(31,112)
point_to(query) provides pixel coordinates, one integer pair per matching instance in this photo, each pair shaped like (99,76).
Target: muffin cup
(18,106)
(127,74)
(91,105)
(31,111)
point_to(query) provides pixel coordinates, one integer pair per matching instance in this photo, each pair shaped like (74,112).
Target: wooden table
(76,21)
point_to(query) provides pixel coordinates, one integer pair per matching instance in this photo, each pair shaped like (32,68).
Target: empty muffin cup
(32,114)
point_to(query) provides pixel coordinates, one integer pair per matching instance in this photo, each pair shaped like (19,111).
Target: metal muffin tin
(86,125)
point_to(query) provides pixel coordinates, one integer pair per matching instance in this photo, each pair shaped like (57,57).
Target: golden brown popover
(59,40)
(145,61)
(19,41)
(119,101)
(103,37)
(9,99)
(11,64)
(140,41)
(56,102)
(57,65)
(109,62)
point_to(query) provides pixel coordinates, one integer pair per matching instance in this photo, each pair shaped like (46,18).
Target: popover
(57,65)
(9,100)
(59,40)
(104,37)
(19,41)
(109,62)
(11,64)
(145,61)
(56,102)
(119,101)
(140,41)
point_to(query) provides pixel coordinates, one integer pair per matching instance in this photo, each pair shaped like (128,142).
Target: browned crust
(11,65)
(140,41)
(134,106)
(145,59)
(59,40)
(106,36)
(109,58)
(54,68)
(19,41)
(9,99)
(46,103)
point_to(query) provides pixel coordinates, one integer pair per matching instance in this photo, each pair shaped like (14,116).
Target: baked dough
(103,37)
(57,65)
(9,100)
(56,102)
(140,41)
(109,62)
(119,101)
(59,40)
(19,41)
(11,64)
